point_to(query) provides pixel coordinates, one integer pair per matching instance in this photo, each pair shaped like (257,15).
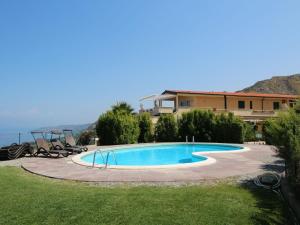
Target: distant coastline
(11,135)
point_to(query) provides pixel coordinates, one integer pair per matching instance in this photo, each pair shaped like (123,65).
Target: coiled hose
(269,181)
(272,181)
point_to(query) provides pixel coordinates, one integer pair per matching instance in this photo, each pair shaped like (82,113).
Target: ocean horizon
(10,136)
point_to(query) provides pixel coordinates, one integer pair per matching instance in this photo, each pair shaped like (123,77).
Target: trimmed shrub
(146,128)
(166,128)
(197,123)
(204,123)
(205,126)
(186,126)
(117,127)
(249,132)
(229,129)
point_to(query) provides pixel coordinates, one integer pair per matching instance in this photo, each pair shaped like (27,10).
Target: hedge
(146,128)
(166,129)
(117,127)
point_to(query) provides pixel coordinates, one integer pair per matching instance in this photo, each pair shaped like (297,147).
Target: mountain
(277,84)
(76,128)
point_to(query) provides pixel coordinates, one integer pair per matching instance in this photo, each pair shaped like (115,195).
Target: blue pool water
(158,154)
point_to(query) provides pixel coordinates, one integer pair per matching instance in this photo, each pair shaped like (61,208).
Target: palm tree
(122,107)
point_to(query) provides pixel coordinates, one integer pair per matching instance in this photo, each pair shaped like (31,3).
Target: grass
(28,199)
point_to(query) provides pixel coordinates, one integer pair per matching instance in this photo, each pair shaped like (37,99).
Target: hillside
(76,128)
(277,84)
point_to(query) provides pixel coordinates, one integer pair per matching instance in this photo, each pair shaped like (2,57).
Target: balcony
(254,113)
(245,114)
(160,110)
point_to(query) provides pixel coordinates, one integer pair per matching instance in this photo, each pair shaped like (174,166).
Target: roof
(237,94)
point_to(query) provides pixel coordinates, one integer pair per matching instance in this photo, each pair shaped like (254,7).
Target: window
(185,103)
(276,105)
(251,105)
(241,104)
(292,103)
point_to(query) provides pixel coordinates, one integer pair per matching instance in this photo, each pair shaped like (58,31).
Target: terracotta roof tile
(238,94)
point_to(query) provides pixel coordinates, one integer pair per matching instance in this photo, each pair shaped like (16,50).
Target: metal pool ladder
(187,139)
(105,159)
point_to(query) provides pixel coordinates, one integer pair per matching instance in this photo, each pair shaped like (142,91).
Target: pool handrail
(187,139)
(103,158)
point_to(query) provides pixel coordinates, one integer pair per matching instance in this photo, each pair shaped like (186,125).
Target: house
(252,107)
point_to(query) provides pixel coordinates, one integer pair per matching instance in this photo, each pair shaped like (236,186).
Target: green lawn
(29,199)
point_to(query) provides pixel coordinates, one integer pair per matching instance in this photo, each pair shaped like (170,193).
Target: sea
(9,136)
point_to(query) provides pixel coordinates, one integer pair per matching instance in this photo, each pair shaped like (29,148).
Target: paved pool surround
(253,160)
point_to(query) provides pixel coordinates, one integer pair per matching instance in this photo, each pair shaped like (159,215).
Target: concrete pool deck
(260,159)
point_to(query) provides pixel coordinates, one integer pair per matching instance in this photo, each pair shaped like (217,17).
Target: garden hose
(272,181)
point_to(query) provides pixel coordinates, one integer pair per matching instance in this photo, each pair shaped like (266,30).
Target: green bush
(86,136)
(205,126)
(284,133)
(166,129)
(249,132)
(122,107)
(204,123)
(186,126)
(197,123)
(229,129)
(281,131)
(146,128)
(268,134)
(117,127)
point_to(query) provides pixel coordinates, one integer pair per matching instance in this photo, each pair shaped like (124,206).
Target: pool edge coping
(210,160)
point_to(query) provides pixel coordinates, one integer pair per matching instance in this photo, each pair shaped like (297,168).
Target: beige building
(253,107)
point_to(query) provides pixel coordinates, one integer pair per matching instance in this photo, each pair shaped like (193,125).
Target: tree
(117,128)
(229,129)
(166,128)
(146,128)
(122,107)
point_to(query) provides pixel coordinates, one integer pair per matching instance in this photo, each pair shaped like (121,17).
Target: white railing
(104,159)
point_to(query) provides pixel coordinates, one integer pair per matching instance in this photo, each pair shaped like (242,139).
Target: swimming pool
(155,155)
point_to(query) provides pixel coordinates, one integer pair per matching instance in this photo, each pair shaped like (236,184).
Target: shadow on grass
(271,209)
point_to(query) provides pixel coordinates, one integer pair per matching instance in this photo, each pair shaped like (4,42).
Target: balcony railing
(243,113)
(160,110)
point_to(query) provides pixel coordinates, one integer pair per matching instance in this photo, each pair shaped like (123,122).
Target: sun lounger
(58,145)
(15,151)
(43,148)
(70,140)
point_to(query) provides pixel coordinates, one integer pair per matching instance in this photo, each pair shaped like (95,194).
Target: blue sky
(65,62)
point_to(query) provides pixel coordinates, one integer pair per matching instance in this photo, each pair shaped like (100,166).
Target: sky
(68,61)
